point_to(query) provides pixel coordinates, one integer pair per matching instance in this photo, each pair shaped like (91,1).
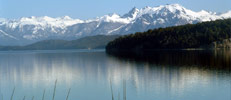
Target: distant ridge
(90,42)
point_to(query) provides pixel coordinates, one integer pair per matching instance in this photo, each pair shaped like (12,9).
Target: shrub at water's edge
(201,35)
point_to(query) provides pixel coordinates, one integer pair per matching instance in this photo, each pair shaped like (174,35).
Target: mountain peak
(204,11)
(132,13)
(226,14)
(175,5)
(66,17)
(47,18)
(134,9)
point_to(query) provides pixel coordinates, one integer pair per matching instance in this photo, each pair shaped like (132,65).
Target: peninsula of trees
(200,35)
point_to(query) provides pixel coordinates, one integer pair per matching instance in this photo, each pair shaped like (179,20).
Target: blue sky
(85,9)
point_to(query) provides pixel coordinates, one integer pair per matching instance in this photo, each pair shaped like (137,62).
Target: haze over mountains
(27,30)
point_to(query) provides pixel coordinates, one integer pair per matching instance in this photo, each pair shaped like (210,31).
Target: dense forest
(89,42)
(176,37)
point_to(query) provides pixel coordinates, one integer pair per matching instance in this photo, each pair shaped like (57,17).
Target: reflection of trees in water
(176,71)
(212,59)
(167,76)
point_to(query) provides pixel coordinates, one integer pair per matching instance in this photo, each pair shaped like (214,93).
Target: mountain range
(27,30)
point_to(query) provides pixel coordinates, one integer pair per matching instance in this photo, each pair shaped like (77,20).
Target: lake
(160,75)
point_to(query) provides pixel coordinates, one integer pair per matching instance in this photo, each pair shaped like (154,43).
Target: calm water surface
(169,75)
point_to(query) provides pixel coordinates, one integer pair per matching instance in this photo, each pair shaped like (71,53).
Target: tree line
(176,37)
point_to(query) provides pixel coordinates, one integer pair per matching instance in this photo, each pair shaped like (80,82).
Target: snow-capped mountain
(27,30)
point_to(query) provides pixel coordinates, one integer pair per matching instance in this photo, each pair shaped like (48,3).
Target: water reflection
(162,76)
(213,59)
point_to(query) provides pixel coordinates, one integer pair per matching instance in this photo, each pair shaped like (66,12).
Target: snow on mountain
(132,14)
(27,30)
(114,18)
(226,15)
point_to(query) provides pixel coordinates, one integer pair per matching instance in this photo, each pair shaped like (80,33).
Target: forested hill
(177,37)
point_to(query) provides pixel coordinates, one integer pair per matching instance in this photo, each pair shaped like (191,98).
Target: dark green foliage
(177,37)
(90,42)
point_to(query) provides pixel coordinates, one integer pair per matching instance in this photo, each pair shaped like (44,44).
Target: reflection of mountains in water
(212,59)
